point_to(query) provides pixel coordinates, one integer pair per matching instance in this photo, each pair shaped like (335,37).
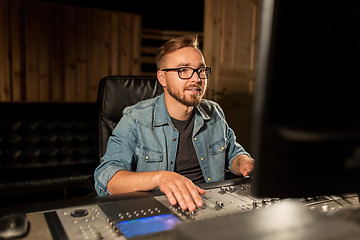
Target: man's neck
(178,110)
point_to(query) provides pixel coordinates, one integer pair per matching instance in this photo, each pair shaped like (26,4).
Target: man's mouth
(194,90)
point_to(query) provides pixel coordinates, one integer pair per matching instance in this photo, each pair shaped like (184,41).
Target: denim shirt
(145,139)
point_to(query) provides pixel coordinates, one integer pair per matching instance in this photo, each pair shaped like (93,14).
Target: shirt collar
(161,114)
(202,112)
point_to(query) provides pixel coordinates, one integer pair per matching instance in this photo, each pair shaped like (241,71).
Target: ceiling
(159,14)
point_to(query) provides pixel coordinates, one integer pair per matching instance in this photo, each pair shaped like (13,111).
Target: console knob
(79,213)
(257,204)
(220,204)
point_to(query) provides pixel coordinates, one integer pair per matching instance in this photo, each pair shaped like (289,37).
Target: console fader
(221,200)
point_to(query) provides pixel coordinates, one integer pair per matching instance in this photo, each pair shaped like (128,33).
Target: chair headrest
(118,92)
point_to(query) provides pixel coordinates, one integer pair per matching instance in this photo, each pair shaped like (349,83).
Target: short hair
(175,44)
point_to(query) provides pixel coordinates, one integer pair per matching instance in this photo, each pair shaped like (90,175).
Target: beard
(190,100)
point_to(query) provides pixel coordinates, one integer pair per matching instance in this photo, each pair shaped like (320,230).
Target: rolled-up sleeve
(234,148)
(119,154)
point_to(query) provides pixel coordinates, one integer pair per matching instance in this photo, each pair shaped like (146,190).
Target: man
(174,140)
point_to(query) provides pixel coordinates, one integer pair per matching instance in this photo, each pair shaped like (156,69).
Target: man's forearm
(125,181)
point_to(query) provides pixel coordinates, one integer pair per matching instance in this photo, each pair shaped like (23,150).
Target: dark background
(186,15)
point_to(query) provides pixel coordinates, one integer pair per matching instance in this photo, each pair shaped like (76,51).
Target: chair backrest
(117,92)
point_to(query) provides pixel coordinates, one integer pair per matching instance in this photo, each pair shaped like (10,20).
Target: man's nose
(195,77)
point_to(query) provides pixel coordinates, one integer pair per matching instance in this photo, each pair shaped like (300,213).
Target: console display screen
(148,225)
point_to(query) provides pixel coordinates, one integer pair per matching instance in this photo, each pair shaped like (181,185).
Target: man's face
(187,91)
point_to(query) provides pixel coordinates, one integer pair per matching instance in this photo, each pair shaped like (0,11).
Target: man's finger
(195,191)
(185,189)
(179,196)
(170,197)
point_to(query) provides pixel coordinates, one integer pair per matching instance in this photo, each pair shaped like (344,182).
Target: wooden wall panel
(81,32)
(135,45)
(31,50)
(237,27)
(5,91)
(98,49)
(114,43)
(129,51)
(124,50)
(16,34)
(70,68)
(212,28)
(44,45)
(230,34)
(230,31)
(58,53)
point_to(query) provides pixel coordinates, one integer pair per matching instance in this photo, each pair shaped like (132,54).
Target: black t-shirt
(186,162)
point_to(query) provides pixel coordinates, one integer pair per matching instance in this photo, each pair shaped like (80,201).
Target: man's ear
(161,78)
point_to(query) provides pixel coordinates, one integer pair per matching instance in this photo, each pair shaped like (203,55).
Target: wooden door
(230,36)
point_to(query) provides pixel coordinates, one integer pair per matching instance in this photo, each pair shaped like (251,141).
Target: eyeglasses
(188,72)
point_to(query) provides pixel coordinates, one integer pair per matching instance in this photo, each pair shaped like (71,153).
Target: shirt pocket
(218,146)
(148,155)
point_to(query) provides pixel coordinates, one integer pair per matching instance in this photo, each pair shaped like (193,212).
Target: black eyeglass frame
(192,74)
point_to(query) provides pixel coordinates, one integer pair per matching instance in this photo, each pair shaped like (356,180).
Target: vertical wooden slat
(254,44)
(125,43)
(227,33)
(69,54)
(31,50)
(212,32)
(136,44)
(75,30)
(17,49)
(254,35)
(126,52)
(43,53)
(114,43)
(244,22)
(98,50)
(57,39)
(81,54)
(5,92)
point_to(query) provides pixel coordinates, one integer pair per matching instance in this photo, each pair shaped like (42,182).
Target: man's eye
(184,70)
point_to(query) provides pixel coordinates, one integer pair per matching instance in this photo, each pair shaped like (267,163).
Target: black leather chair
(117,92)
(114,94)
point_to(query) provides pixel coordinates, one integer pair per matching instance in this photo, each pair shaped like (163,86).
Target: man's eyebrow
(183,65)
(188,65)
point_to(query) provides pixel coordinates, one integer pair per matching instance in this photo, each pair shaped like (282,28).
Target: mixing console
(153,217)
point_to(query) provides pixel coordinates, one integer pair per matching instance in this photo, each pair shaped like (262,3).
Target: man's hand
(243,164)
(179,189)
